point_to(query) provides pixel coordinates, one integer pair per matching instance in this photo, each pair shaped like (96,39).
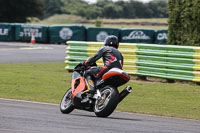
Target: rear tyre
(66,105)
(107,103)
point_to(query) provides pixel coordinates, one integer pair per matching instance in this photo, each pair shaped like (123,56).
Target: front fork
(97,95)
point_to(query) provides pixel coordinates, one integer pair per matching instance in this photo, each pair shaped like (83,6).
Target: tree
(19,10)
(73,6)
(184,22)
(107,8)
(53,7)
(158,8)
(91,12)
(128,11)
(112,10)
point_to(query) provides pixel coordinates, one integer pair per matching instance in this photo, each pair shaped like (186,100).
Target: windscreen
(75,75)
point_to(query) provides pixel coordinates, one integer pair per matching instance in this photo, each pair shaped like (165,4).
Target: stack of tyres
(164,61)
(78,51)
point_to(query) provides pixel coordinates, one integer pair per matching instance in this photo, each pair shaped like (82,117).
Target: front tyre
(105,105)
(66,105)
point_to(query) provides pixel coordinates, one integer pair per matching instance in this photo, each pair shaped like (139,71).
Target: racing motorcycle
(105,98)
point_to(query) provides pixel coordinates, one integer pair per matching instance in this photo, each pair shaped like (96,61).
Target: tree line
(19,10)
(108,9)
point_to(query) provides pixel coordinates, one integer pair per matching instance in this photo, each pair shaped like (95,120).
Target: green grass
(47,82)
(62,19)
(152,20)
(71,19)
(164,99)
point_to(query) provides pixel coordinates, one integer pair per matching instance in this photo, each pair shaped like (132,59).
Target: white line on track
(32,48)
(28,101)
(14,131)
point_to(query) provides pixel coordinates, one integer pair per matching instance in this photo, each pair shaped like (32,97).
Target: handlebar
(81,67)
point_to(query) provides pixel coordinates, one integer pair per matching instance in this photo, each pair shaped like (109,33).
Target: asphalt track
(27,117)
(31,117)
(26,52)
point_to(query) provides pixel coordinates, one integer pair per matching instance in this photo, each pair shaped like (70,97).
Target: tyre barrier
(164,61)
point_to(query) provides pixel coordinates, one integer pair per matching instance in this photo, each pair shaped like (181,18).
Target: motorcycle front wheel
(66,105)
(105,105)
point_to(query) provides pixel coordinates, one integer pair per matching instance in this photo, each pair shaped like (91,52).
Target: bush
(32,20)
(184,22)
(98,22)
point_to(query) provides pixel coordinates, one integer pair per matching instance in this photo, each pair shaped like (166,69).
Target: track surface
(26,52)
(27,117)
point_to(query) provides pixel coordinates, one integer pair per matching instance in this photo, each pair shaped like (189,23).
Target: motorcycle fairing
(78,85)
(116,77)
(114,72)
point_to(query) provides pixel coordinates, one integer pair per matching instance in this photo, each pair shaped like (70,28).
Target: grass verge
(47,82)
(114,23)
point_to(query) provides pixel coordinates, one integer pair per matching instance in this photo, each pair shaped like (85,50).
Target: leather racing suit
(111,58)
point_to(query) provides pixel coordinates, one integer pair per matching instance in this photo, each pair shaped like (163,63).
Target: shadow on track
(109,118)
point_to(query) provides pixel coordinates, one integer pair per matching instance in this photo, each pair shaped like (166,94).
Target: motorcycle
(105,98)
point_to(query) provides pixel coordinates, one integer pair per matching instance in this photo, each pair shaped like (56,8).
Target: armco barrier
(165,61)
(7,32)
(23,32)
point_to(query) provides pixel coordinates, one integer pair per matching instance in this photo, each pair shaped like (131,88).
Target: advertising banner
(137,35)
(161,36)
(24,32)
(7,32)
(99,34)
(64,33)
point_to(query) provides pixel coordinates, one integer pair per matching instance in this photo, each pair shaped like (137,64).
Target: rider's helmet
(111,41)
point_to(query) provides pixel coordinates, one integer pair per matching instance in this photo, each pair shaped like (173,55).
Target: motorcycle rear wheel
(106,105)
(66,105)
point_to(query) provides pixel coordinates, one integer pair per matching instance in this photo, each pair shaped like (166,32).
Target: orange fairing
(81,86)
(110,74)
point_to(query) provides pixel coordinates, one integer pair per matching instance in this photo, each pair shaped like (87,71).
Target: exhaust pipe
(124,93)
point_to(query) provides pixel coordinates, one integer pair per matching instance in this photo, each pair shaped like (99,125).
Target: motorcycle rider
(111,58)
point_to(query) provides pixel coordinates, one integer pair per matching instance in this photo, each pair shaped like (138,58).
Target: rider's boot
(90,89)
(90,84)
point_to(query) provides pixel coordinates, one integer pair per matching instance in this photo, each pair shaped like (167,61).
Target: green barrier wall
(137,35)
(7,32)
(23,32)
(99,34)
(165,61)
(63,33)
(161,36)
